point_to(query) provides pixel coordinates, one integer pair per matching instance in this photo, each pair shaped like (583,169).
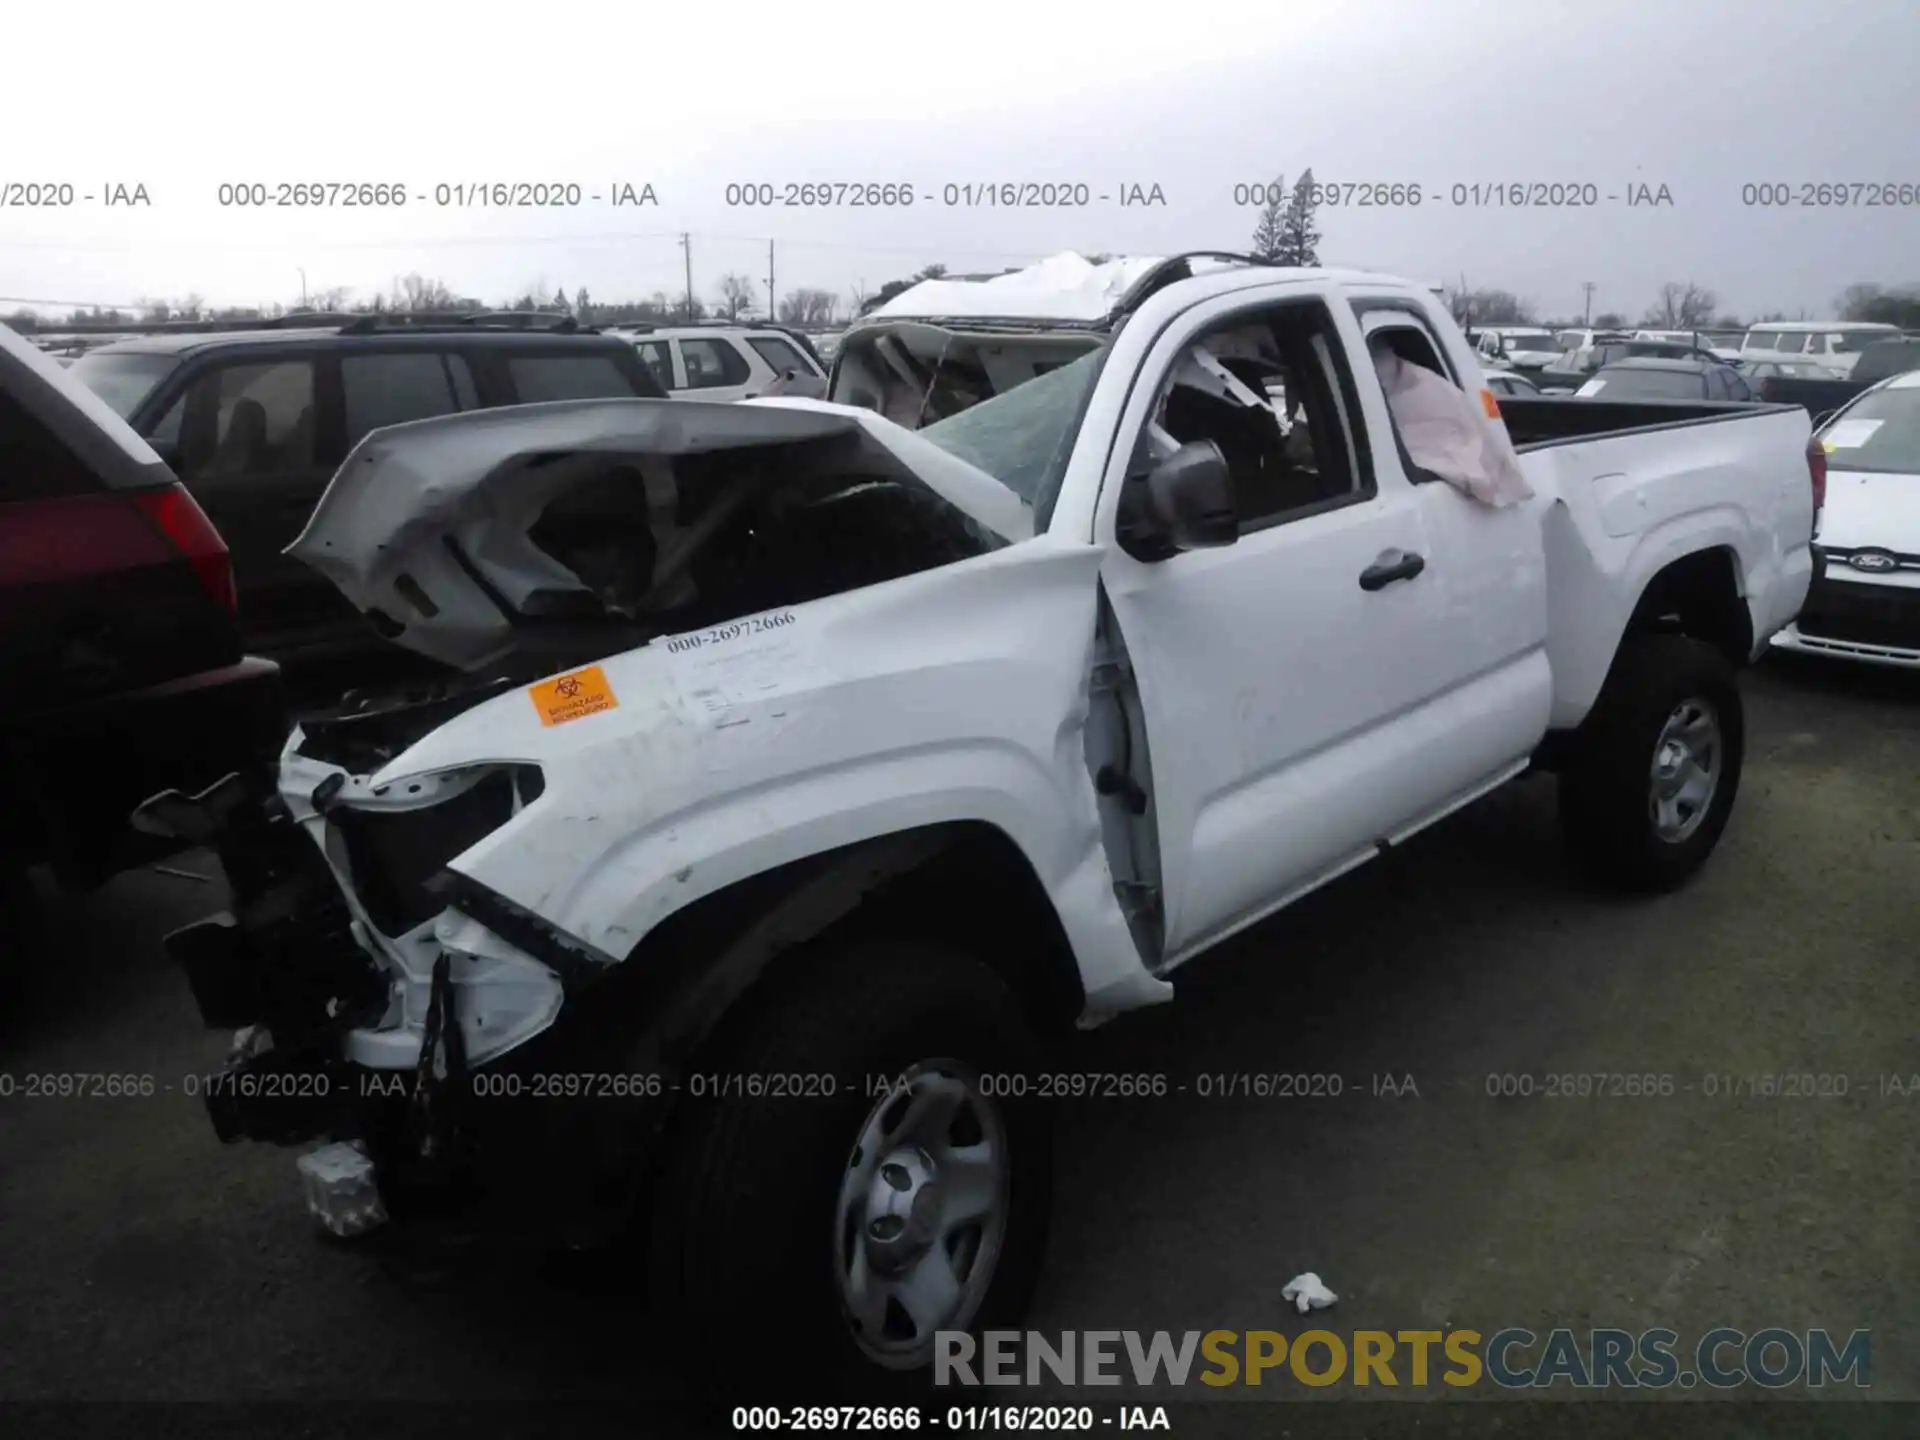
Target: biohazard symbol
(573,697)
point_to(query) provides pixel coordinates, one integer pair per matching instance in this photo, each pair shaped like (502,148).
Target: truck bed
(1534,422)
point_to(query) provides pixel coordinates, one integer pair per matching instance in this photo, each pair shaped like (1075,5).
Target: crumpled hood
(428,523)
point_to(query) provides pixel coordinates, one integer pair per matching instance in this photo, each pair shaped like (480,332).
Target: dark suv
(121,671)
(256,421)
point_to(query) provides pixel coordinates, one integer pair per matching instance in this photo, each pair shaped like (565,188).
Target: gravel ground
(141,1261)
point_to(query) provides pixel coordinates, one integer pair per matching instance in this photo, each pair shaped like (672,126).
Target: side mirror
(1189,498)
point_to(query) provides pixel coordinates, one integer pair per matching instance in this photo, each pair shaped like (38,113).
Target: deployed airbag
(1447,434)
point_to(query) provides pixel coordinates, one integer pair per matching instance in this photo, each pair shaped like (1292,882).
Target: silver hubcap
(1686,770)
(922,1213)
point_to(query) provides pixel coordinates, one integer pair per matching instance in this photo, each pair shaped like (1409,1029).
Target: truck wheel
(1652,777)
(814,1240)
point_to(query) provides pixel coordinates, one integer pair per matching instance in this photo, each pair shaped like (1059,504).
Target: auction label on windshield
(573,696)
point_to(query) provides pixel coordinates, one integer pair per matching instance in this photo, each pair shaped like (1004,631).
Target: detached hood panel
(434,527)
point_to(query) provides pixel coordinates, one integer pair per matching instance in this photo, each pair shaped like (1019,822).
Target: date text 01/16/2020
(962,195)
(460,195)
(1474,195)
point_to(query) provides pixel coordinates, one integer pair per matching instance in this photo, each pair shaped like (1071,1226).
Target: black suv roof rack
(423,322)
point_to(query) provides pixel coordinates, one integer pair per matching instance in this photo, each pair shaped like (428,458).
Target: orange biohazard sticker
(1490,405)
(573,696)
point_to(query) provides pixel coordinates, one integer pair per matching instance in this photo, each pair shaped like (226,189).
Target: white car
(1836,344)
(1508,382)
(1580,339)
(1522,347)
(728,362)
(868,761)
(1865,600)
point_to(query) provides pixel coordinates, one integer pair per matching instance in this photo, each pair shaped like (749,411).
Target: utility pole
(1586,319)
(686,244)
(773,302)
(303,287)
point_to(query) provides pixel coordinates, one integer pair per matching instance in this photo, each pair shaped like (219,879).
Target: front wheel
(843,1232)
(1651,780)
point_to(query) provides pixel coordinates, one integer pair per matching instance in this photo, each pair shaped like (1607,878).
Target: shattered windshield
(1023,437)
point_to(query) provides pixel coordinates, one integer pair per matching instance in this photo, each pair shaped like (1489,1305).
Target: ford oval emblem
(1872,560)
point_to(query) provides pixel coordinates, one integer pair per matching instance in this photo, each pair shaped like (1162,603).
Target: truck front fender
(1046,814)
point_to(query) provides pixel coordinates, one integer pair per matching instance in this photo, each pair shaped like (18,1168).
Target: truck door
(1489,566)
(1299,686)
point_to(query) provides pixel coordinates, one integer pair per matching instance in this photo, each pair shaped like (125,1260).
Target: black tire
(743,1244)
(1606,784)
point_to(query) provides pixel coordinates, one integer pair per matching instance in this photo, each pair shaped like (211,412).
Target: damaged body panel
(728,751)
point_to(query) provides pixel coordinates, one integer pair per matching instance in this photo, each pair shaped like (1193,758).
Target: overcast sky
(1702,98)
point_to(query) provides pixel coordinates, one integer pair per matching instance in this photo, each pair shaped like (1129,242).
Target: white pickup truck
(804,772)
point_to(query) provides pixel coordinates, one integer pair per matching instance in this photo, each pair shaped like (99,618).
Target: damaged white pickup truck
(804,772)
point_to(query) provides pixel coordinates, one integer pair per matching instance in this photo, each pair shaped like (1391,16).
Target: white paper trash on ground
(1308,1293)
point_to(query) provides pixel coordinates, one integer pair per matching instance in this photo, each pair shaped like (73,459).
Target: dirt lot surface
(139,1260)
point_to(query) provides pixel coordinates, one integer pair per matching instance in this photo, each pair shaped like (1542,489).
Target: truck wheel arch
(697,967)
(1697,592)
(1698,595)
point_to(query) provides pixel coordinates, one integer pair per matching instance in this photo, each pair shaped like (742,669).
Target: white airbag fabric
(1447,435)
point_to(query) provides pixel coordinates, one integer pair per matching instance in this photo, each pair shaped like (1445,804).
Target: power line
(78,304)
(482,241)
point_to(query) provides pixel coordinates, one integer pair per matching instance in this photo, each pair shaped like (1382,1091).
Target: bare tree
(807,306)
(1682,305)
(1899,306)
(416,292)
(1266,232)
(1609,320)
(736,294)
(1488,307)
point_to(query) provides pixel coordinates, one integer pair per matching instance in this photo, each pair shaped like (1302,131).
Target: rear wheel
(1652,777)
(845,1230)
